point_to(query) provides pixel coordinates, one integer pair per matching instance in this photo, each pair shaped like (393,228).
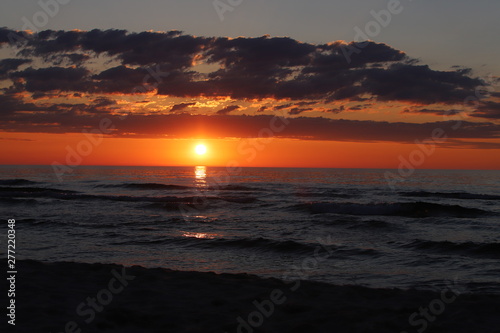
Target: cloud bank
(66,64)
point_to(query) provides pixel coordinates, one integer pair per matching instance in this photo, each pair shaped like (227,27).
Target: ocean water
(341,226)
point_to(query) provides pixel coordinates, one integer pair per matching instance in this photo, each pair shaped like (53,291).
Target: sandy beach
(76,297)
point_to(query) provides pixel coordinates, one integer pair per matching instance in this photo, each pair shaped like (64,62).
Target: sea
(340,226)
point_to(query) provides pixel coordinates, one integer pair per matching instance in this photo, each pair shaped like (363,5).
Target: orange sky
(49,148)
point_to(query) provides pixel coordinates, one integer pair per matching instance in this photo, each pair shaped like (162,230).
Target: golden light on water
(199,235)
(200,172)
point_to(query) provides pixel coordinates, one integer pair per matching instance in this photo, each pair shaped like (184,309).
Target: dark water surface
(437,226)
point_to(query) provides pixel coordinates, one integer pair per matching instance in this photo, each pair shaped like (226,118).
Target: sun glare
(201,149)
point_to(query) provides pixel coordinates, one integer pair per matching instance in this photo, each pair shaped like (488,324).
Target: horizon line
(248,167)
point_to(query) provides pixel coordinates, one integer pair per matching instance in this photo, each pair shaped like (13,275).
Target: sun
(200,149)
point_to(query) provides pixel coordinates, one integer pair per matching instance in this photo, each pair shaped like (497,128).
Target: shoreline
(79,297)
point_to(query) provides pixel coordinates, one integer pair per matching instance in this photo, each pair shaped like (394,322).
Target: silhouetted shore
(69,297)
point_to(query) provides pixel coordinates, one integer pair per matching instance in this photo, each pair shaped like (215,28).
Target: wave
(354,222)
(175,206)
(486,250)
(33,190)
(240,199)
(36,192)
(262,243)
(411,209)
(16,182)
(145,186)
(43,221)
(197,203)
(258,244)
(16,201)
(42,192)
(13,195)
(322,194)
(450,195)
(158,186)
(233,187)
(373,224)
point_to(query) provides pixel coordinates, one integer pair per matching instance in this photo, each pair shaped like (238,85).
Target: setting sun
(201,149)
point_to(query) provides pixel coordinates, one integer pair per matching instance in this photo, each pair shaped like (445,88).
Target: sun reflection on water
(200,176)
(200,173)
(199,235)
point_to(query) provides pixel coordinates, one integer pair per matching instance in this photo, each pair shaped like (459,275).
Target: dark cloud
(11,103)
(120,79)
(4,33)
(181,107)
(228,109)
(52,94)
(100,105)
(39,95)
(8,65)
(13,108)
(358,107)
(8,36)
(333,56)
(464,144)
(283,106)
(143,48)
(449,112)
(296,108)
(53,78)
(337,110)
(15,139)
(306,128)
(418,84)
(305,103)
(103,101)
(295,111)
(248,68)
(487,109)
(70,59)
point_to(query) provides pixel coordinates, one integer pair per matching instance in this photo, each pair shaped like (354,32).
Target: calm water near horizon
(436,226)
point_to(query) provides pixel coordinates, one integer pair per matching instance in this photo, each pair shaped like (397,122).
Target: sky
(260,83)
